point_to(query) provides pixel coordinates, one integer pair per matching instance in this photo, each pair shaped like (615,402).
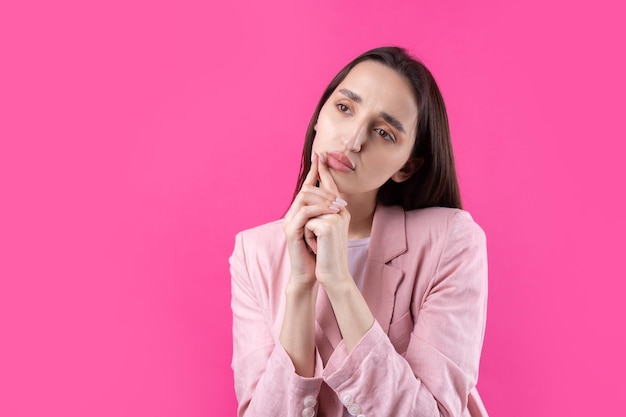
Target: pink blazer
(426,284)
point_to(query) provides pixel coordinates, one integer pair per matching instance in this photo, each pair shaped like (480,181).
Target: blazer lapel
(387,241)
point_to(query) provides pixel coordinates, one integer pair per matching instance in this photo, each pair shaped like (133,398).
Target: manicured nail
(334,208)
(340,202)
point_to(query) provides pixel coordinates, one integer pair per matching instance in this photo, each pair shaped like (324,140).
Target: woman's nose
(353,140)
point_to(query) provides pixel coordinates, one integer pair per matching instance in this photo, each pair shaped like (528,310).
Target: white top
(357,255)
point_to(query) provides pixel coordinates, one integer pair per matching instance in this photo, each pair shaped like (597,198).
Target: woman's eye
(385,135)
(343,108)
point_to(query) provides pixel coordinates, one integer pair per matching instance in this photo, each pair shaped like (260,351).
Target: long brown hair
(435,182)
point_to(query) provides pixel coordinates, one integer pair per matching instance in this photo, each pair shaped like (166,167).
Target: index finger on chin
(311,177)
(326,179)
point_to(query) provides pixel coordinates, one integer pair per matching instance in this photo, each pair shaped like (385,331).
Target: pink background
(138,138)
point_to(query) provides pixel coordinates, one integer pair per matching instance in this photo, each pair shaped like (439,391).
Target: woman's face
(366,129)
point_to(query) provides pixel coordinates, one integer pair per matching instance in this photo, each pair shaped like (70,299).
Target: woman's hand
(331,269)
(310,203)
(327,234)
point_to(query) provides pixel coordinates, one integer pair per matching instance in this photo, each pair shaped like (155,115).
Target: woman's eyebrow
(386,116)
(392,121)
(351,95)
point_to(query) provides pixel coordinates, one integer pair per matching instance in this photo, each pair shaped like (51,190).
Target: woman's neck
(361,208)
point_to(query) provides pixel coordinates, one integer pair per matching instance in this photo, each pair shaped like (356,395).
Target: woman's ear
(407,171)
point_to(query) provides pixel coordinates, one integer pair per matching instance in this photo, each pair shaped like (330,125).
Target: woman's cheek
(325,131)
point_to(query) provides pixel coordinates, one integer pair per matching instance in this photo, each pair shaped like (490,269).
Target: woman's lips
(339,162)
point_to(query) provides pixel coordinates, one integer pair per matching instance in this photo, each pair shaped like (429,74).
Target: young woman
(369,297)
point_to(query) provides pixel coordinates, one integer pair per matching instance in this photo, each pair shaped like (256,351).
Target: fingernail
(334,208)
(312,156)
(340,201)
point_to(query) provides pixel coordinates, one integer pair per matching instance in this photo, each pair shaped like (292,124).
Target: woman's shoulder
(442,221)
(264,232)
(264,236)
(439,214)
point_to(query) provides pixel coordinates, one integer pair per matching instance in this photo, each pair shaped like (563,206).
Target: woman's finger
(326,180)
(310,195)
(299,219)
(315,192)
(311,240)
(311,177)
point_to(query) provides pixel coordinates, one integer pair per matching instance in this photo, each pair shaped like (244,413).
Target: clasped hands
(316,229)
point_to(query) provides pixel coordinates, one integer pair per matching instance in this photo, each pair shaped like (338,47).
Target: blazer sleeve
(266,384)
(440,368)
